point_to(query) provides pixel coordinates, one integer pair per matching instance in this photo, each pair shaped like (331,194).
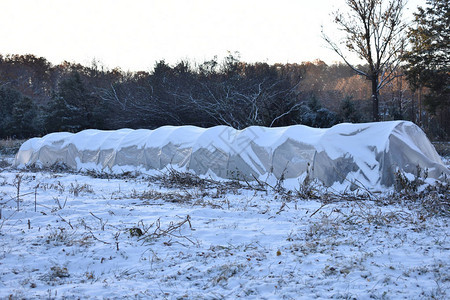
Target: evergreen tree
(8,97)
(72,108)
(348,111)
(428,61)
(313,114)
(314,104)
(58,117)
(24,118)
(18,114)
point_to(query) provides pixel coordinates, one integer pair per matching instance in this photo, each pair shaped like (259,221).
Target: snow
(211,240)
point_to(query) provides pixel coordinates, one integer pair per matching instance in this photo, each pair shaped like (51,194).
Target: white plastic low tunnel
(367,153)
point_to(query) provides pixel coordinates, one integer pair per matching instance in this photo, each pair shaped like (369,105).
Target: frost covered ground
(178,237)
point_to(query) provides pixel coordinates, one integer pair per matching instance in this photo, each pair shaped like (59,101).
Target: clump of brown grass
(10,146)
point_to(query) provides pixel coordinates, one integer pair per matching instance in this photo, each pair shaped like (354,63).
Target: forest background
(37,97)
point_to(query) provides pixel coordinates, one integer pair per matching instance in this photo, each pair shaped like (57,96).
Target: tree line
(37,97)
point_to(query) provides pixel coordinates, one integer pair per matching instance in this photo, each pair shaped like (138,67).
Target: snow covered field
(178,237)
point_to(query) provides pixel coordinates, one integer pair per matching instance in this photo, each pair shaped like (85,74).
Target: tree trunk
(420,106)
(375,102)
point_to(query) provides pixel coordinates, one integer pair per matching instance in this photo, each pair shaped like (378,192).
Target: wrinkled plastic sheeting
(368,153)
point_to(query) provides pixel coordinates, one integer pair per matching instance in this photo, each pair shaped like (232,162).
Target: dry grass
(4,164)
(172,197)
(10,146)
(443,148)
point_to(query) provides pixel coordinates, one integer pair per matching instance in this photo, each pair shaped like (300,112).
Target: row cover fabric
(366,153)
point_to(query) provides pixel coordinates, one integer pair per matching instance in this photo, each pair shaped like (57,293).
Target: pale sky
(133,34)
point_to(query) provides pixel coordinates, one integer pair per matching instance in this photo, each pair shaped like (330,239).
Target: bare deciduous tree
(374,30)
